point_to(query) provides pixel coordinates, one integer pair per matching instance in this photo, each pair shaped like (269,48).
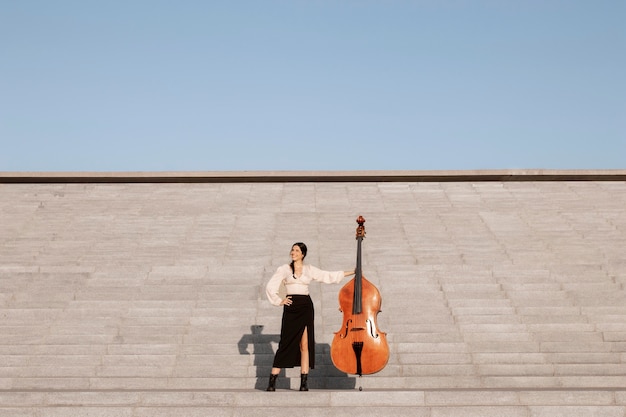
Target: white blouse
(298,285)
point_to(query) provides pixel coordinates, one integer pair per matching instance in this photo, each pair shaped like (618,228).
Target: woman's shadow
(324,376)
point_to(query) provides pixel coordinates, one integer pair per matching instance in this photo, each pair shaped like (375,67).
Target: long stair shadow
(324,376)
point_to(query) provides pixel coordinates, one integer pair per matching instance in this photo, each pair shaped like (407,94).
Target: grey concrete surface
(499,297)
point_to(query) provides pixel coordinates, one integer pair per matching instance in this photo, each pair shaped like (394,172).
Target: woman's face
(296,253)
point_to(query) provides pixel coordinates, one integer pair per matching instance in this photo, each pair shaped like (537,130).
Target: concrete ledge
(312,176)
(394,399)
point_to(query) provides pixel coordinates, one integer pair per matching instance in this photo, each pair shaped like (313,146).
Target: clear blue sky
(201,85)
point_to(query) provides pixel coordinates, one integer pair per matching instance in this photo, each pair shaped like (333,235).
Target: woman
(297,338)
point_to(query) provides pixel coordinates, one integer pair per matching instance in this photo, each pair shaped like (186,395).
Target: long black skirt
(296,317)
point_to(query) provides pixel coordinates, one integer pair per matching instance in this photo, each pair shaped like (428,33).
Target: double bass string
(359,326)
(356,304)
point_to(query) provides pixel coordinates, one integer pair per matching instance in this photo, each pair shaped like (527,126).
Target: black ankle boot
(303,382)
(272,384)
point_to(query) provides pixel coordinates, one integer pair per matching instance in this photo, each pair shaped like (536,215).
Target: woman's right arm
(273,286)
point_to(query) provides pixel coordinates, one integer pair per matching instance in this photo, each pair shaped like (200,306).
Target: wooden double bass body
(359,347)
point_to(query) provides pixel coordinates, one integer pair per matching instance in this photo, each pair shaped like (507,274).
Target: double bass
(359,347)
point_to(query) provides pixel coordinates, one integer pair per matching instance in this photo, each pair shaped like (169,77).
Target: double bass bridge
(370,329)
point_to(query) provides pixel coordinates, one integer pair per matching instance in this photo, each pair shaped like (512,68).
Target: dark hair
(302,247)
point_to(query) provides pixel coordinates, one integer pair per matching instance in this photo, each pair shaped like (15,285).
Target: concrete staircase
(499,298)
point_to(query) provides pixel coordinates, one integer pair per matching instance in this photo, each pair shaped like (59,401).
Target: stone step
(126,369)
(288,401)
(490,290)
(148,381)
